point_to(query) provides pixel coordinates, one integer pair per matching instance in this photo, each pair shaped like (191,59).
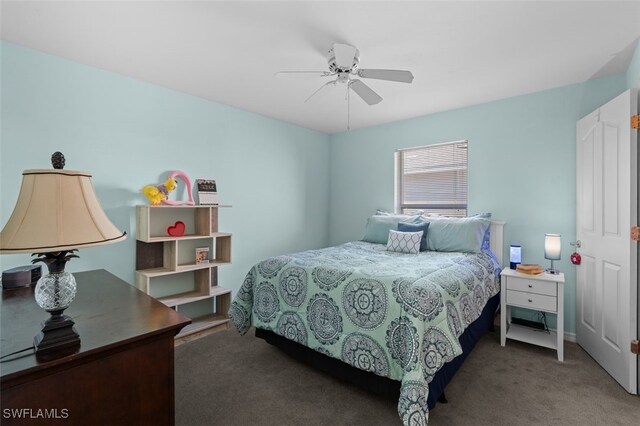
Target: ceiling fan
(344,61)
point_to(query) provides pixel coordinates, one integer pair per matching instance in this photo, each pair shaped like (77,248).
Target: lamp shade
(57,210)
(552,246)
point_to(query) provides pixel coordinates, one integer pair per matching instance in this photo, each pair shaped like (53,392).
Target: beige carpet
(225,379)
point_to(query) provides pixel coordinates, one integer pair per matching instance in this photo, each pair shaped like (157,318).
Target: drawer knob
(530,286)
(530,300)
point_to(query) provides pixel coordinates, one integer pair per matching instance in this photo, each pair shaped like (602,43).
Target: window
(432,179)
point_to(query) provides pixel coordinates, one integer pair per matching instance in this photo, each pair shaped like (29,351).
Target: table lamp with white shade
(552,249)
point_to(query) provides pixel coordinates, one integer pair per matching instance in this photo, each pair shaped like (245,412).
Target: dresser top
(107,311)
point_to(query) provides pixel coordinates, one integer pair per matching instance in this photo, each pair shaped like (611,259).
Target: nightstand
(544,292)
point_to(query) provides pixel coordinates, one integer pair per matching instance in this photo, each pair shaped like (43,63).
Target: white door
(606,281)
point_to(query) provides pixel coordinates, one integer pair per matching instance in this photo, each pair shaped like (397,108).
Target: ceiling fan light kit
(344,63)
(343,58)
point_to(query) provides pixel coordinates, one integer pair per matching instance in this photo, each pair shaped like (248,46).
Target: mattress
(395,315)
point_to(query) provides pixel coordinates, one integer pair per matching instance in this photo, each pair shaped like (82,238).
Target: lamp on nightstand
(552,246)
(57,212)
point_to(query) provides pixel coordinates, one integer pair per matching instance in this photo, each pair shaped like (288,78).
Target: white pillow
(404,242)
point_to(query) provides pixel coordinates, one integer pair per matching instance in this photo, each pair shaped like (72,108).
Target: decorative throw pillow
(404,242)
(415,227)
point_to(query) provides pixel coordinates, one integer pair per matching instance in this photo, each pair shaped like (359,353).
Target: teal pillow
(457,234)
(378,227)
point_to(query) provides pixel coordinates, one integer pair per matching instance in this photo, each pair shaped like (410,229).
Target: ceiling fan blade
(391,75)
(344,54)
(303,74)
(365,92)
(319,89)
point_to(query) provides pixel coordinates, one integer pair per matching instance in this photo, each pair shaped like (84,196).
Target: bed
(409,319)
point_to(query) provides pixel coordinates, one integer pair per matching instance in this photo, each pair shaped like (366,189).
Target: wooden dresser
(122,374)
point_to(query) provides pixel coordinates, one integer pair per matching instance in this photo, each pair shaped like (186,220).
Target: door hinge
(635,121)
(635,347)
(635,233)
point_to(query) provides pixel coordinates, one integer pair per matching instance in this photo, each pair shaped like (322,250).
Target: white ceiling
(461,53)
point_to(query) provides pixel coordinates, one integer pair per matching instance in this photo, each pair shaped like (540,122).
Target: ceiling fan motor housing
(335,68)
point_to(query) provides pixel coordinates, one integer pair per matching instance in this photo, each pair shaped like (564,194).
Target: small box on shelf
(202,255)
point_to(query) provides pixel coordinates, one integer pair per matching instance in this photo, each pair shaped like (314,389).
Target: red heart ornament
(576,259)
(177,229)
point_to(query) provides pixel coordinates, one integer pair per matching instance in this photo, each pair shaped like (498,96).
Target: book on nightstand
(529,268)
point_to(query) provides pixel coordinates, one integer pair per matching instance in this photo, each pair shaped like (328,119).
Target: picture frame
(207,192)
(202,255)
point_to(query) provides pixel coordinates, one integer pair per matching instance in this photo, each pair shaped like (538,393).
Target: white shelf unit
(166,267)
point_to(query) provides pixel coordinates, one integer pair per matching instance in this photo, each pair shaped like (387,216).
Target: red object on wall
(576,259)
(177,229)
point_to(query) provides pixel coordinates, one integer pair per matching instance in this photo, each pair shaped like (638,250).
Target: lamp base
(58,334)
(552,270)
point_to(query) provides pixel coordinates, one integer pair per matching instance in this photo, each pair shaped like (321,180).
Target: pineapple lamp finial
(57,160)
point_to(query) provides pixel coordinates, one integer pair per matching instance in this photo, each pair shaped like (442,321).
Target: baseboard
(570,337)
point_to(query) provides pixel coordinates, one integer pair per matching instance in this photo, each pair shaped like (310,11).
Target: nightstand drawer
(532,286)
(531,300)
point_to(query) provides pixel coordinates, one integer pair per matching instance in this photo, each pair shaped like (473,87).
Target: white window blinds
(433,179)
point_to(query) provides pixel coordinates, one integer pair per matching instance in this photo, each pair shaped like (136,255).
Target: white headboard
(496,243)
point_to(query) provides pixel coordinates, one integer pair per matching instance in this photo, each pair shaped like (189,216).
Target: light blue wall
(633,73)
(521,166)
(129,133)
(280,178)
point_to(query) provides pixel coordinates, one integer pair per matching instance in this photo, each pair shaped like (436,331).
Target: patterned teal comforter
(396,315)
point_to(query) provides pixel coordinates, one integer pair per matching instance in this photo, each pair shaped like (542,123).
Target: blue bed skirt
(383,385)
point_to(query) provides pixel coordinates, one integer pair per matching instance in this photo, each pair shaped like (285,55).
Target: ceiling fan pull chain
(348,108)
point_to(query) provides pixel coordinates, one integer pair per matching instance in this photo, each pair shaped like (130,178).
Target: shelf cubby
(153,221)
(209,322)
